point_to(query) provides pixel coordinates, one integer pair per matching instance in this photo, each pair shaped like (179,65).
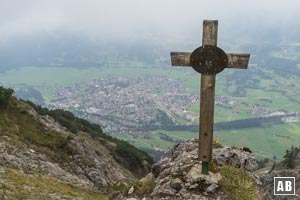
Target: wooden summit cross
(208,60)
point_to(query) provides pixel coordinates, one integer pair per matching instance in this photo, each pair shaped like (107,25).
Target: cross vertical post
(207,100)
(208,60)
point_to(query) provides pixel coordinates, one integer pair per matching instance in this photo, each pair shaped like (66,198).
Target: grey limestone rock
(178,173)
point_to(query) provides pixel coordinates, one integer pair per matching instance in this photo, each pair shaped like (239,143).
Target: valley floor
(128,105)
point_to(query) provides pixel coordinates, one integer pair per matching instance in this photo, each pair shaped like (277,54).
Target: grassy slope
(18,185)
(127,155)
(238,184)
(24,130)
(19,127)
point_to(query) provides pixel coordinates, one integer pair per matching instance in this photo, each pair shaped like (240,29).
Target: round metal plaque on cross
(209,60)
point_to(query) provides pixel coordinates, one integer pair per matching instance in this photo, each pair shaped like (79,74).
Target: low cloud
(137,18)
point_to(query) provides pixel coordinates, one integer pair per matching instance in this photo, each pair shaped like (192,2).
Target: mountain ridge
(36,147)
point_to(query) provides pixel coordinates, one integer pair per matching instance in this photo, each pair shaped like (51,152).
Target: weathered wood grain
(238,61)
(207,105)
(210,32)
(207,99)
(180,58)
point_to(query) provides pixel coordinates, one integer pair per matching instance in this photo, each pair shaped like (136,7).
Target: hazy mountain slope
(40,158)
(64,49)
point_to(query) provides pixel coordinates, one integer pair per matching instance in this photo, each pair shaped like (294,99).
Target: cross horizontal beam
(180,58)
(238,61)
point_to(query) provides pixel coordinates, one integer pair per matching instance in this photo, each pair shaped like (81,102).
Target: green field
(264,142)
(224,114)
(49,76)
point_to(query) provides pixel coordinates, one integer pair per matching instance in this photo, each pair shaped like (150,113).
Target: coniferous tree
(5,95)
(291,157)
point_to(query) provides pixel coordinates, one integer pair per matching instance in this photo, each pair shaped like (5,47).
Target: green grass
(16,122)
(238,184)
(18,185)
(24,129)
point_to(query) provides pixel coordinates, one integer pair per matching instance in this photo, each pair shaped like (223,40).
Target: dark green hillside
(23,129)
(126,154)
(14,117)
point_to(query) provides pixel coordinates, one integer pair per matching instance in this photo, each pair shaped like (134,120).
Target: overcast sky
(124,18)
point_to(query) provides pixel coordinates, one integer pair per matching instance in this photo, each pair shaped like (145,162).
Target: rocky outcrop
(29,161)
(178,174)
(238,157)
(80,159)
(91,167)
